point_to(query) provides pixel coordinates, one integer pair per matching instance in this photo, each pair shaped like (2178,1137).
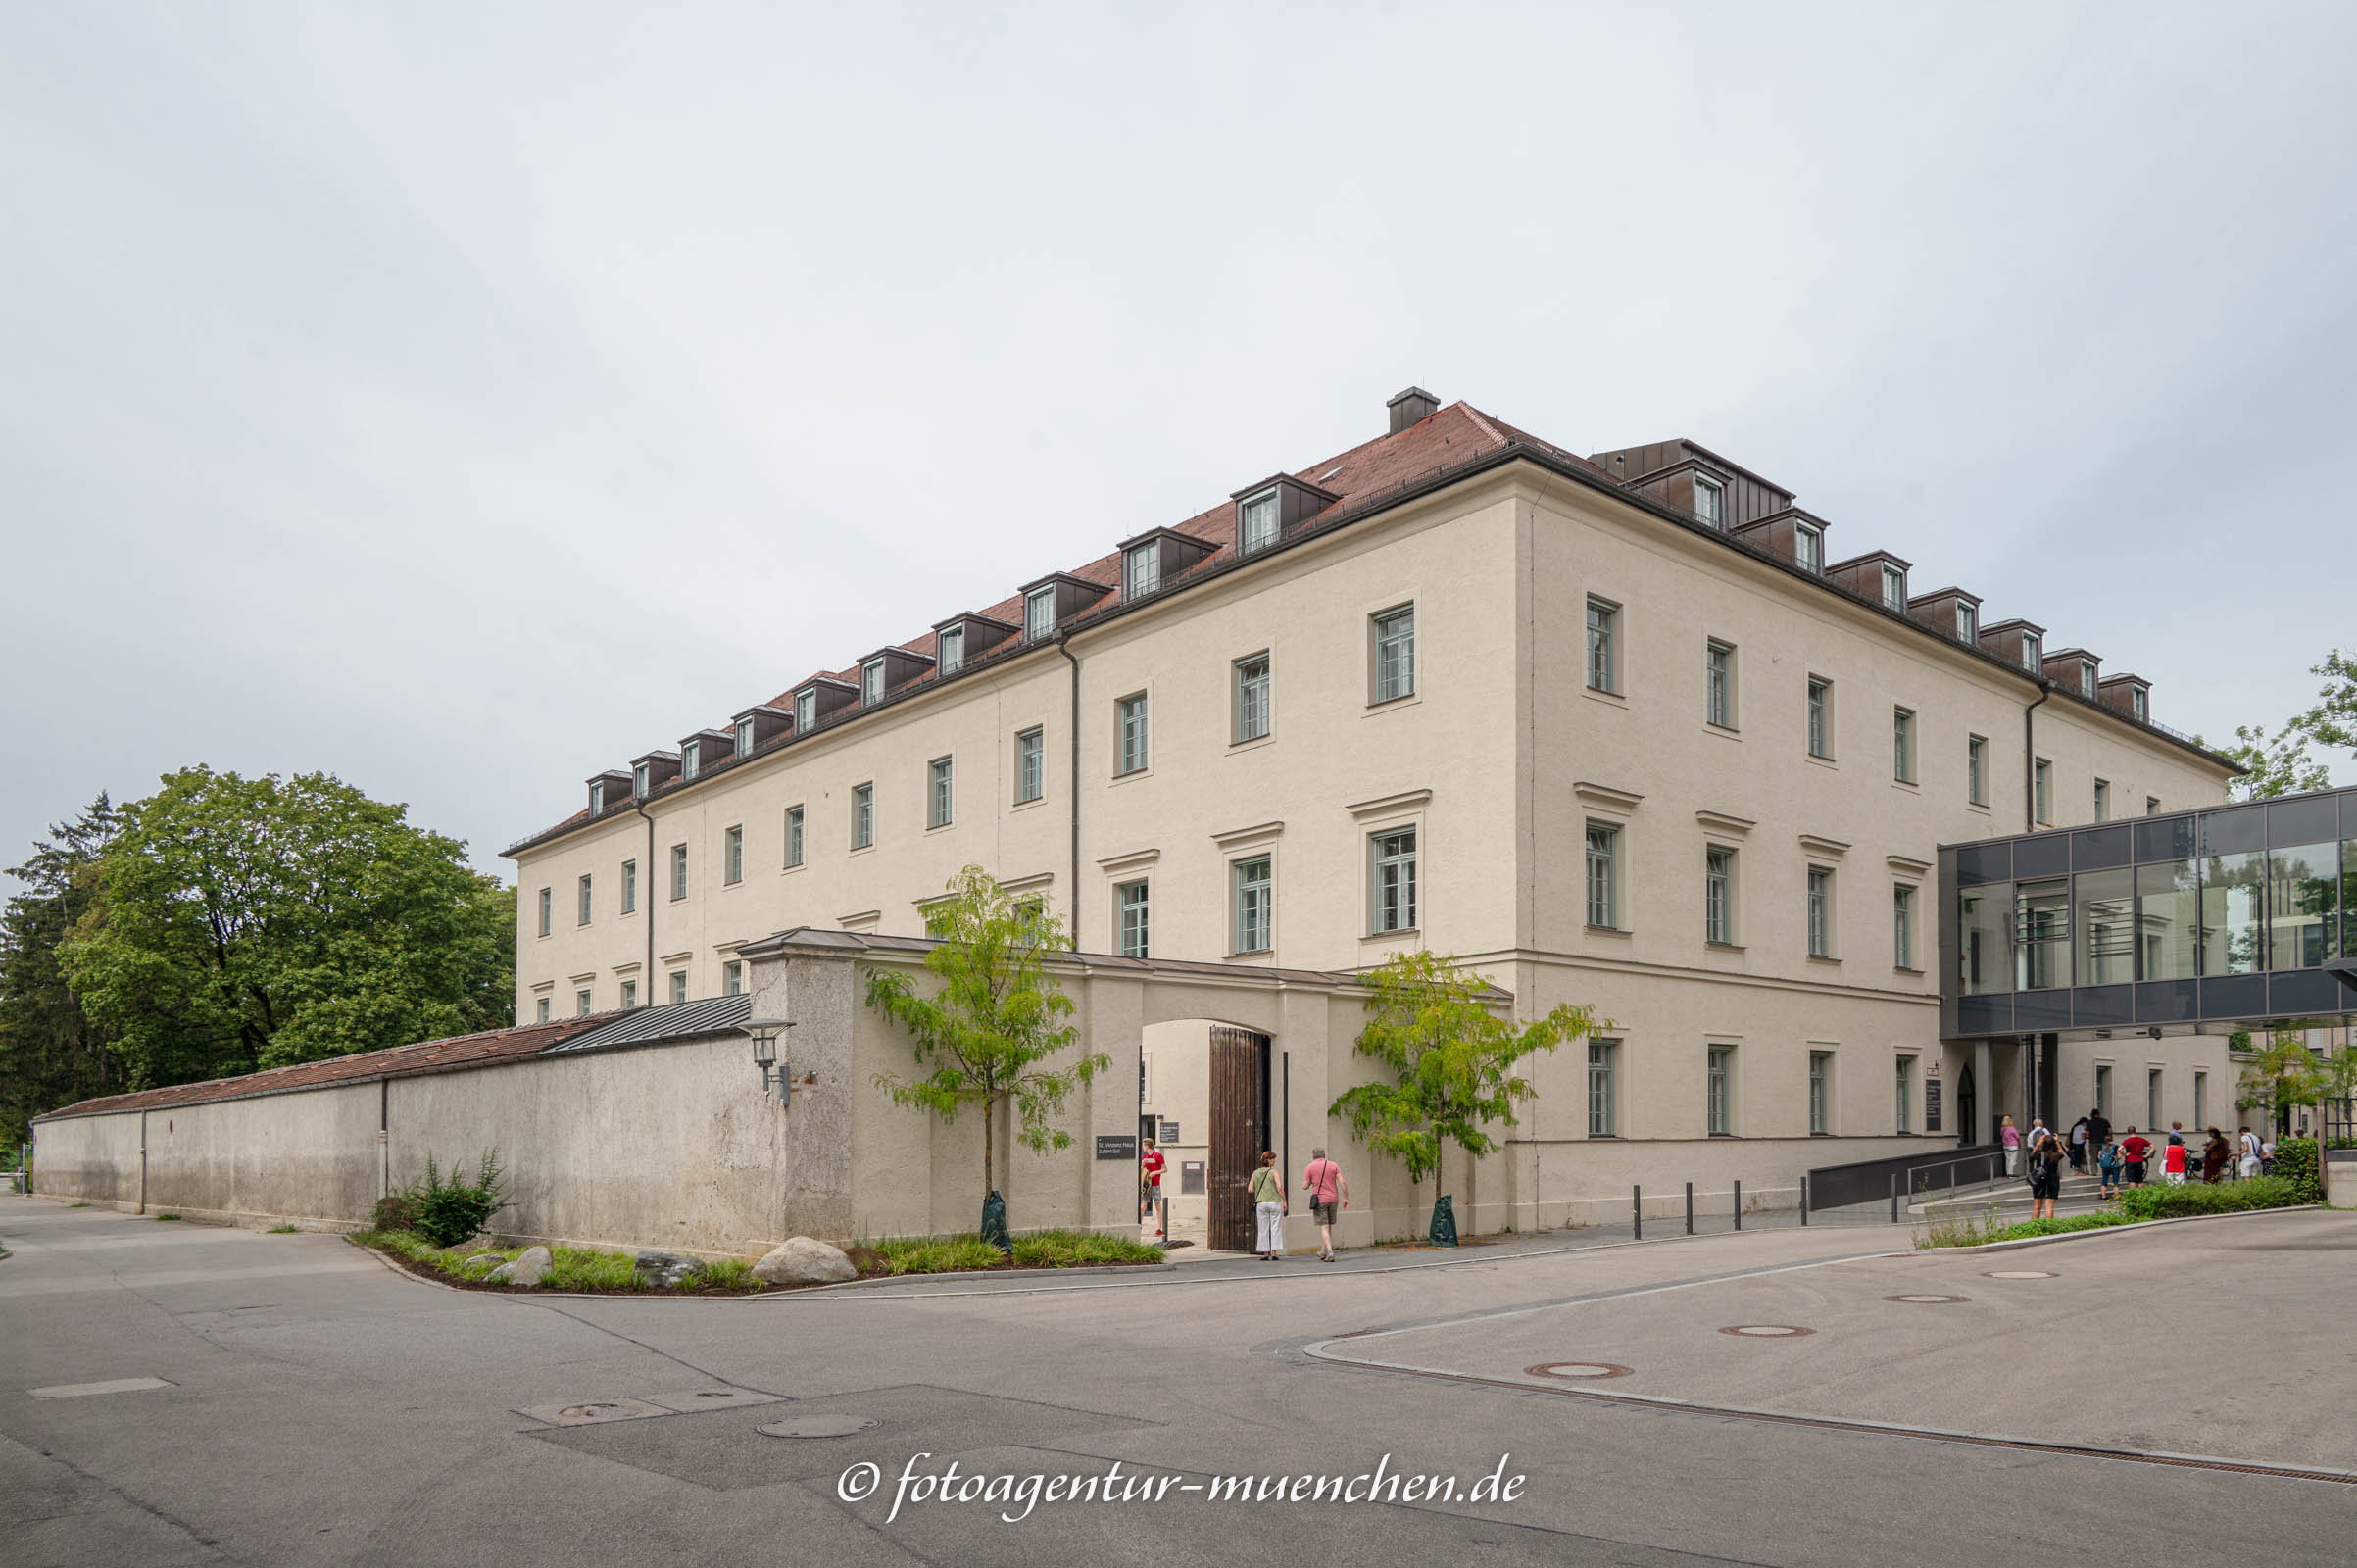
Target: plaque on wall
(1931,1104)
(1170,1133)
(1191,1176)
(1116,1146)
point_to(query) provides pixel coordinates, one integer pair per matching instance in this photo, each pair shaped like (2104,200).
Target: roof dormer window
(690,756)
(872,682)
(2032,657)
(1141,570)
(1808,547)
(1894,588)
(1710,498)
(2136,703)
(1968,628)
(642,778)
(1039,613)
(805,710)
(596,796)
(2086,677)
(1256,522)
(950,647)
(745,736)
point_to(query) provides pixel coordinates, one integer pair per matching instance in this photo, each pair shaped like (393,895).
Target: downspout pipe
(646,896)
(2045,689)
(1072,783)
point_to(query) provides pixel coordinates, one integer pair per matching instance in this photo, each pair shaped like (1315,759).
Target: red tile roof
(399,1061)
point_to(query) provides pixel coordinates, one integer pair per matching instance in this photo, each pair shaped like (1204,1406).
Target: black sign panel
(1191,1176)
(1931,1104)
(1116,1146)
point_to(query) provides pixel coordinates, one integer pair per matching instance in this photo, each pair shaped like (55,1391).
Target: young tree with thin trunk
(989,1028)
(1452,1058)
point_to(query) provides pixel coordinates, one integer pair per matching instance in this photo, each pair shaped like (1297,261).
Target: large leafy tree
(52,1052)
(2279,762)
(1453,1061)
(987,1030)
(246,924)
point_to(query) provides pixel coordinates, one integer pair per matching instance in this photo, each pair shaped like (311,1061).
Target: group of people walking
(1328,1193)
(2125,1161)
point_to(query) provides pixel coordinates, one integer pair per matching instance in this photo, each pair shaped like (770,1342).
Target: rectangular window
(2103,1091)
(949,650)
(642,779)
(1603,875)
(1718,895)
(1141,570)
(2152,806)
(1975,769)
(1394,653)
(871,682)
(2167,921)
(597,797)
(1251,696)
(1808,547)
(629,887)
(1902,745)
(1719,1073)
(1821,1084)
(1602,1104)
(2043,946)
(1968,628)
(2103,799)
(1030,764)
(678,870)
(732,855)
(1395,880)
(1820,912)
(580,1003)
(2136,698)
(1710,498)
(1902,927)
(2042,775)
(2233,916)
(1820,717)
(542,1015)
(1257,528)
(2152,1099)
(2033,652)
(805,710)
(688,754)
(581,915)
(1254,911)
(1131,900)
(732,978)
(793,835)
(1129,735)
(1603,646)
(2303,893)
(863,815)
(938,793)
(679,985)
(1039,613)
(2201,1100)
(1894,588)
(745,737)
(629,995)
(1906,1094)
(2087,679)
(544,911)
(1718,685)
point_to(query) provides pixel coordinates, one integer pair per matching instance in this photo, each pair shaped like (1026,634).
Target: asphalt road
(315,1407)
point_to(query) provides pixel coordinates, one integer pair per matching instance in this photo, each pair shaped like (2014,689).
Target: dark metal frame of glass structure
(2232,915)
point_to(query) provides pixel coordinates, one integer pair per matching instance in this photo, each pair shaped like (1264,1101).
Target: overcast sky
(461,398)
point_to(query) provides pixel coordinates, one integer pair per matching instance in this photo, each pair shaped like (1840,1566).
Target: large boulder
(529,1269)
(662,1270)
(804,1261)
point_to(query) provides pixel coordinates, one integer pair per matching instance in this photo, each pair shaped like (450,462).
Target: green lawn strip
(1049,1249)
(2134,1206)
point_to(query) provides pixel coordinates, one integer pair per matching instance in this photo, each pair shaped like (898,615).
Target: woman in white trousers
(1268,1206)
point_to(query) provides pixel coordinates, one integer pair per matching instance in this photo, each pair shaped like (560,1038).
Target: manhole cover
(1768,1331)
(1577,1369)
(1927,1301)
(593,1412)
(817,1426)
(2023,1274)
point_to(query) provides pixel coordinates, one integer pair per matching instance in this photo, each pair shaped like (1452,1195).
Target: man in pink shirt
(1329,1194)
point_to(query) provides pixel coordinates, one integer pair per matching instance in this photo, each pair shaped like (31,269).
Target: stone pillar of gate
(815,988)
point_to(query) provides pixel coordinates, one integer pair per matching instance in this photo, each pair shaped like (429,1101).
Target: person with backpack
(2252,1156)
(2045,1176)
(1329,1195)
(1268,1206)
(2108,1161)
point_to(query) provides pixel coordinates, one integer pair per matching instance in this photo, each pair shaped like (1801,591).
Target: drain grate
(592,1412)
(817,1426)
(687,1401)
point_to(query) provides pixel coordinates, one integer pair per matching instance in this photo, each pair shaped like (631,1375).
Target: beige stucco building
(1620,731)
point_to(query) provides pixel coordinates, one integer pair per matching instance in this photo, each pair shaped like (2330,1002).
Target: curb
(2110,1230)
(529,1295)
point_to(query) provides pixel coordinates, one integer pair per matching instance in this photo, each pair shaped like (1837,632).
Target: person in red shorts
(1150,1186)
(2137,1148)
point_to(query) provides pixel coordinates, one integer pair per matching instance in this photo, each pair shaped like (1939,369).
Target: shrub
(394,1212)
(2295,1162)
(450,1211)
(168,1216)
(2200,1198)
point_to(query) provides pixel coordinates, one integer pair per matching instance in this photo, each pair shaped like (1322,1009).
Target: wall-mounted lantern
(765,1034)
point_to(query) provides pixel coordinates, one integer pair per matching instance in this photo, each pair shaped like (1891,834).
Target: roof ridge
(1476,416)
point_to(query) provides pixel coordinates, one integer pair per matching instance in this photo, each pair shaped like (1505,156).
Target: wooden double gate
(1240,1131)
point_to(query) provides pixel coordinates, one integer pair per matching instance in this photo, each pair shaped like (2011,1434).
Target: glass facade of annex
(2233,915)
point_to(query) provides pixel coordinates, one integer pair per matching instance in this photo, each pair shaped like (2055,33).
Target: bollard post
(1895,1198)
(1739,1204)
(1804,1197)
(1637,1213)
(1690,1209)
